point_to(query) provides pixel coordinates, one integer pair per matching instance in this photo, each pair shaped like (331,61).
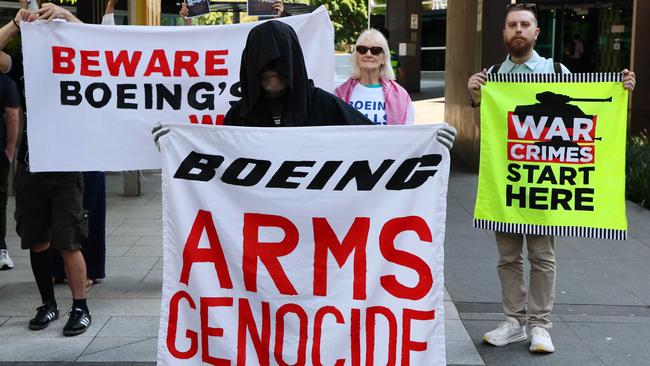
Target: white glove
(446,136)
(158,131)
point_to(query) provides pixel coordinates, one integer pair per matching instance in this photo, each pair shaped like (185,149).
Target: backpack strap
(495,69)
(557,67)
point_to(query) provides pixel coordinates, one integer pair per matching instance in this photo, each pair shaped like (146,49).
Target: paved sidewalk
(602,315)
(126,305)
(602,306)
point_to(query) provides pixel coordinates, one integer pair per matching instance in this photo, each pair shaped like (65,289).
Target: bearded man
(523,304)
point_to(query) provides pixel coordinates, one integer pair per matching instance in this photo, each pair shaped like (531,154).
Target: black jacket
(276,44)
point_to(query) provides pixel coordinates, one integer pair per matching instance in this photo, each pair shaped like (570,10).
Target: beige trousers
(536,307)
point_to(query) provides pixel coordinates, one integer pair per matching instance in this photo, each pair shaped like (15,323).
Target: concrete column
(474,41)
(144,12)
(404,22)
(640,108)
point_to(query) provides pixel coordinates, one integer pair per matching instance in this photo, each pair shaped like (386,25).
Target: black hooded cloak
(275,44)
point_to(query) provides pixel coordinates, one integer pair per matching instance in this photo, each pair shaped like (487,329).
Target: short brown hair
(531,7)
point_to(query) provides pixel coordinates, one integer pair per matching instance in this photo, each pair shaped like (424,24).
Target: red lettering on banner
(207,331)
(279,334)
(409,345)
(158,63)
(247,322)
(172,326)
(126,62)
(129,65)
(267,253)
(89,59)
(206,119)
(371,314)
(62,60)
(318,327)
(186,60)
(355,240)
(214,254)
(260,333)
(212,60)
(355,337)
(387,237)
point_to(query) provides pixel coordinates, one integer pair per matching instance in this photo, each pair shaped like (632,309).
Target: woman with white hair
(371,88)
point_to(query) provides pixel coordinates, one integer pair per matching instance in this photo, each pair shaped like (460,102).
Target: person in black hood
(276,91)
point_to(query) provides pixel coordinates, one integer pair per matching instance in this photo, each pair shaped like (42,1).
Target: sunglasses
(374,50)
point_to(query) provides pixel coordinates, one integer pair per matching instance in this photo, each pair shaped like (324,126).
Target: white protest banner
(94,92)
(308,246)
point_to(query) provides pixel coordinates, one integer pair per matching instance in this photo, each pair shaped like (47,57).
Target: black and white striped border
(585,232)
(557,78)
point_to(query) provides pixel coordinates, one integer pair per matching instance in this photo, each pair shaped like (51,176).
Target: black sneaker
(78,322)
(44,315)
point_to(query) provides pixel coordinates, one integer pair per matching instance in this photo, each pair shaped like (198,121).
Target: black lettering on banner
(122,96)
(568,175)
(585,173)
(249,172)
(235,91)
(561,197)
(208,99)
(205,164)
(537,197)
(288,170)
(400,180)
(531,169)
(363,176)
(148,96)
(70,92)
(172,98)
(513,170)
(583,196)
(324,174)
(90,95)
(543,198)
(512,196)
(231,175)
(222,87)
(547,175)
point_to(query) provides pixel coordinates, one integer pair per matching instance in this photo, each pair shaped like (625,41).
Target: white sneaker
(5,260)
(507,332)
(540,341)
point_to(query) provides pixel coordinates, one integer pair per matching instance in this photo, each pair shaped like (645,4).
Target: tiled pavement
(125,306)
(602,315)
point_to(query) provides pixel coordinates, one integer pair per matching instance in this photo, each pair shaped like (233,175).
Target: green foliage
(349,17)
(215,18)
(638,169)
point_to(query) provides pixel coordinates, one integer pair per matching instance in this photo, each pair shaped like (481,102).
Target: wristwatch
(473,103)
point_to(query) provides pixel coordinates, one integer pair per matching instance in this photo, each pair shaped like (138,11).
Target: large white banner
(94,92)
(303,246)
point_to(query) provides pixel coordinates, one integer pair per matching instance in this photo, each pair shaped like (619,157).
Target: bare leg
(75,269)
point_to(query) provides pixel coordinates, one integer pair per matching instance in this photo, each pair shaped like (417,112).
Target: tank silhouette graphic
(554,105)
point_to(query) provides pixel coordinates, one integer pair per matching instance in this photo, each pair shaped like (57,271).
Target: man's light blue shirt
(536,64)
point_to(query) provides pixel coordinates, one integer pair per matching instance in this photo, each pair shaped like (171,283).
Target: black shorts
(49,208)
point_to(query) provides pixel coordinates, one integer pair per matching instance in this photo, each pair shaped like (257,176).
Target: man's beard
(519,50)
